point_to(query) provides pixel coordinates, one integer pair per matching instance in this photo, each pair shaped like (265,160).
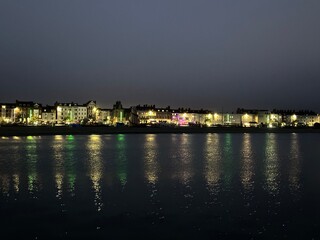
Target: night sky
(215,54)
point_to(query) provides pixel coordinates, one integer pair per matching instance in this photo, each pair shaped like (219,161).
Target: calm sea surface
(160,186)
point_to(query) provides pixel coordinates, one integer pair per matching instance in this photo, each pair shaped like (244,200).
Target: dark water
(165,186)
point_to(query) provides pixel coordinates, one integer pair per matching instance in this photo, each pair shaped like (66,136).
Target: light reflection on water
(150,159)
(31,159)
(70,149)
(295,164)
(152,170)
(227,162)
(182,158)
(121,161)
(213,158)
(170,176)
(182,155)
(5,183)
(57,148)
(272,164)
(10,173)
(94,150)
(247,163)
(16,182)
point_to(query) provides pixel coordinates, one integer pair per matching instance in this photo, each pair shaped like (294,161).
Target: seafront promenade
(44,130)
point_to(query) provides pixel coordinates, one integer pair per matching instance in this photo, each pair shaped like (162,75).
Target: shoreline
(87,130)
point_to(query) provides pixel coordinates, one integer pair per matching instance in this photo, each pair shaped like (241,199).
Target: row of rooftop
(32,113)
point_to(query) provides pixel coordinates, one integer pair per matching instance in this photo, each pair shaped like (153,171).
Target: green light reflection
(32,159)
(121,159)
(70,163)
(70,137)
(227,159)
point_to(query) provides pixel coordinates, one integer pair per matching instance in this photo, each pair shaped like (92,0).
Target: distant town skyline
(217,55)
(111,105)
(90,113)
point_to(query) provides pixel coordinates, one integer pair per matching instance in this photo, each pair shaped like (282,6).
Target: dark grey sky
(195,53)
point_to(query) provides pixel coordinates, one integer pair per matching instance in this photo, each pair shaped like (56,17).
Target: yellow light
(94,109)
(246,124)
(294,117)
(3,106)
(209,115)
(184,115)
(59,109)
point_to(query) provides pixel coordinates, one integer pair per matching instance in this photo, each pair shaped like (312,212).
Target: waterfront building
(304,120)
(249,120)
(120,115)
(254,117)
(36,114)
(103,116)
(187,117)
(133,118)
(232,119)
(217,119)
(263,117)
(164,115)
(48,115)
(27,112)
(92,110)
(146,114)
(149,114)
(23,111)
(183,119)
(117,114)
(71,113)
(275,120)
(7,113)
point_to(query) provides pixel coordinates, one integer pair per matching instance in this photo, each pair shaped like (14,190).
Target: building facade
(71,113)
(49,115)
